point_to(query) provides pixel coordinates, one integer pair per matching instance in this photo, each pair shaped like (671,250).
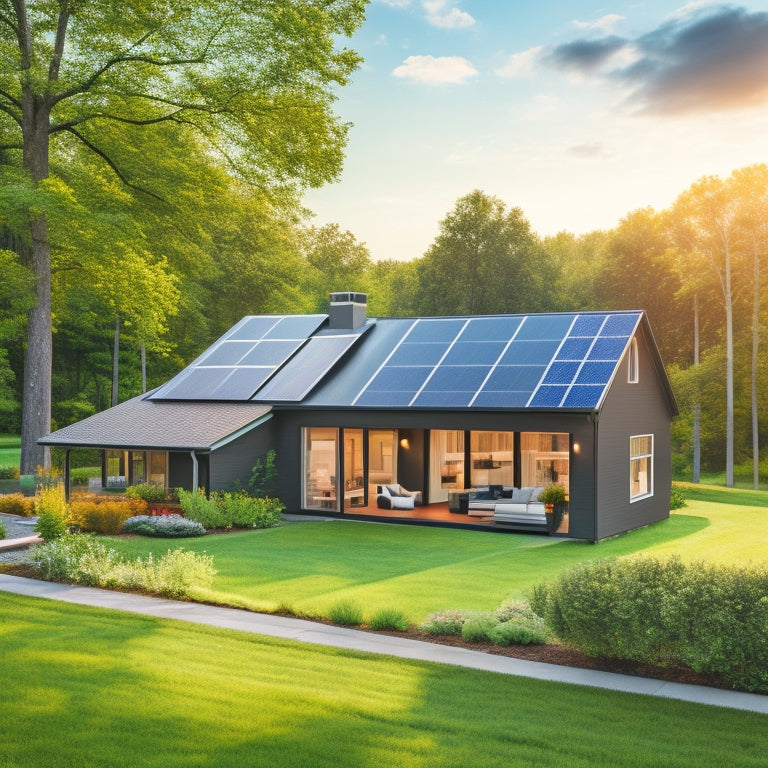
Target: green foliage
(709,617)
(477,627)
(83,559)
(347,613)
(677,499)
(553,494)
(517,632)
(263,473)
(17,504)
(196,506)
(149,492)
(101,514)
(443,623)
(389,618)
(9,473)
(225,509)
(163,526)
(3,529)
(52,510)
(81,475)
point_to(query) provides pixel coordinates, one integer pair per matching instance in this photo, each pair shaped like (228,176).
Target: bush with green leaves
(477,627)
(389,618)
(52,511)
(197,506)
(443,623)
(347,613)
(103,514)
(148,492)
(3,529)
(163,526)
(243,511)
(711,618)
(82,559)
(518,625)
(677,498)
(17,504)
(9,473)
(81,475)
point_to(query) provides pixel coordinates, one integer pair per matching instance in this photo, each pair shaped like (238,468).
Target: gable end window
(640,467)
(633,363)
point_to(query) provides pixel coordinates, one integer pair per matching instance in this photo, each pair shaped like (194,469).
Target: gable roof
(551,361)
(143,424)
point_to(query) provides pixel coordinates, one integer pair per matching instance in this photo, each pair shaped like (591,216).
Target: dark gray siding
(234,461)
(632,409)
(180,470)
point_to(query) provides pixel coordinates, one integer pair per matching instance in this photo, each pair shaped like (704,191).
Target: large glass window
(158,463)
(545,458)
(382,459)
(493,458)
(354,491)
(321,468)
(446,470)
(640,467)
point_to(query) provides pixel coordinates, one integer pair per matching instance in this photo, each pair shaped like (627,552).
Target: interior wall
(411,471)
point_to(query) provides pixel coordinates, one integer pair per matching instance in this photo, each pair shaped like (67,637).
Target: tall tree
(252,79)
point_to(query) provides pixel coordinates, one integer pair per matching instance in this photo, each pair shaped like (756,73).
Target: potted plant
(553,498)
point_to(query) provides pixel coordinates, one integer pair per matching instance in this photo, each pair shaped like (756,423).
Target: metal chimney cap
(347,297)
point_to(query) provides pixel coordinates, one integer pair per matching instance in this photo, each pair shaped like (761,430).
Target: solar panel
(236,365)
(540,361)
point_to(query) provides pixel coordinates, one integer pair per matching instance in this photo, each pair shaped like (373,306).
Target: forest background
(159,244)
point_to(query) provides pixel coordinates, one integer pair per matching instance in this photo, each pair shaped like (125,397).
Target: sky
(576,112)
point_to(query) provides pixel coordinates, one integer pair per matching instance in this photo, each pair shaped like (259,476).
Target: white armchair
(396,497)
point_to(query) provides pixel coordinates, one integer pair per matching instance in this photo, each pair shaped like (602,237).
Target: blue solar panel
(457,378)
(400,379)
(620,325)
(538,327)
(548,397)
(515,377)
(227,353)
(529,352)
(595,373)
(474,353)
(508,399)
(574,349)
(491,329)
(587,325)
(295,327)
(429,329)
(561,373)
(608,349)
(426,353)
(197,383)
(271,353)
(240,384)
(583,396)
(253,327)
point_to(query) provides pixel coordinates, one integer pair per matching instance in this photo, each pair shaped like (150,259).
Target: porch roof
(143,424)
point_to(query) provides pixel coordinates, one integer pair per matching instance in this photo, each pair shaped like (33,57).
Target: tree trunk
(115,362)
(696,406)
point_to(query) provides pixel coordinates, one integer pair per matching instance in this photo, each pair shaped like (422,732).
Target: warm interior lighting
(404,443)
(576,447)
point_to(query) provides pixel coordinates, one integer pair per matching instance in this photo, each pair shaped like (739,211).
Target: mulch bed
(548,653)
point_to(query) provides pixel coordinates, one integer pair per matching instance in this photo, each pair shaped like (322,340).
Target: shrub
(477,627)
(3,529)
(239,510)
(677,498)
(347,613)
(103,514)
(197,507)
(9,473)
(61,558)
(81,475)
(389,618)
(52,510)
(167,526)
(443,623)
(147,492)
(519,632)
(710,618)
(263,473)
(17,504)
(178,572)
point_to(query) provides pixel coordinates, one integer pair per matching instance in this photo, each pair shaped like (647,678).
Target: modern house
(440,405)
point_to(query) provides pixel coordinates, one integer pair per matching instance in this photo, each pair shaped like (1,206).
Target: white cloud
(520,64)
(436,70)
(605,24)
(439,14)
(396,3)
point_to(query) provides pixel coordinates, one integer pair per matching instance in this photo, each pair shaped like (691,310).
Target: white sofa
(394,496)
(512,506)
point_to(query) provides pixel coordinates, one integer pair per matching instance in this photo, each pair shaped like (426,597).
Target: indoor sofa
(394,496)
(512,506)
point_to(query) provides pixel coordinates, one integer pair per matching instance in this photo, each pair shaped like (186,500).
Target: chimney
(347,311)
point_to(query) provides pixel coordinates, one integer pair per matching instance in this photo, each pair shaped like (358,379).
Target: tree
(250,79)
(485,260)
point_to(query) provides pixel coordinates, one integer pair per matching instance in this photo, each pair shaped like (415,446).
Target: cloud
(587,151)
(396,3)
(440,14)
(436,70)
(605,24)
(710,58)
(521,64)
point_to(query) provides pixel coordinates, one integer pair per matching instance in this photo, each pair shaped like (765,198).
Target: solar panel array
(242,360)
(536,361)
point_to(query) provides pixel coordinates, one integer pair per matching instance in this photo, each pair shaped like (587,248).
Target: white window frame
(639,458)
(633,363)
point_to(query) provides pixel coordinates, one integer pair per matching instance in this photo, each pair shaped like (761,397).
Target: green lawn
(10,450)
(306,567)
(94,688)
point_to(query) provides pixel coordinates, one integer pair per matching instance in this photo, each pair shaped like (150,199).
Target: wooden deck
(437,513)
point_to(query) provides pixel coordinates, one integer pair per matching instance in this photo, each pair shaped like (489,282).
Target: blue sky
(576,112)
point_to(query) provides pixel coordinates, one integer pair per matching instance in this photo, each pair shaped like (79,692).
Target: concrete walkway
(312,632)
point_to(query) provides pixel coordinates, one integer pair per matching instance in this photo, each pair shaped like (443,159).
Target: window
(492,455)
(640,467)
(321,462)
(545,458)
(633,363)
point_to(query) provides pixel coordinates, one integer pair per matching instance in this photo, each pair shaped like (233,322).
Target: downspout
(195,471)
(67,475)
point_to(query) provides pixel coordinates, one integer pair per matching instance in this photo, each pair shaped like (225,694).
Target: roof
(143,424)
(551,361)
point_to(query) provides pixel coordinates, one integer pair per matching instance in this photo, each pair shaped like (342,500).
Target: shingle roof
(144,424)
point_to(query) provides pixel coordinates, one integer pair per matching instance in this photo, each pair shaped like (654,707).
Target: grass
(309,567)
(96,688)
(10,450)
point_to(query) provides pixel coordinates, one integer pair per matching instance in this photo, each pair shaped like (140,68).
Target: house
(442,405)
